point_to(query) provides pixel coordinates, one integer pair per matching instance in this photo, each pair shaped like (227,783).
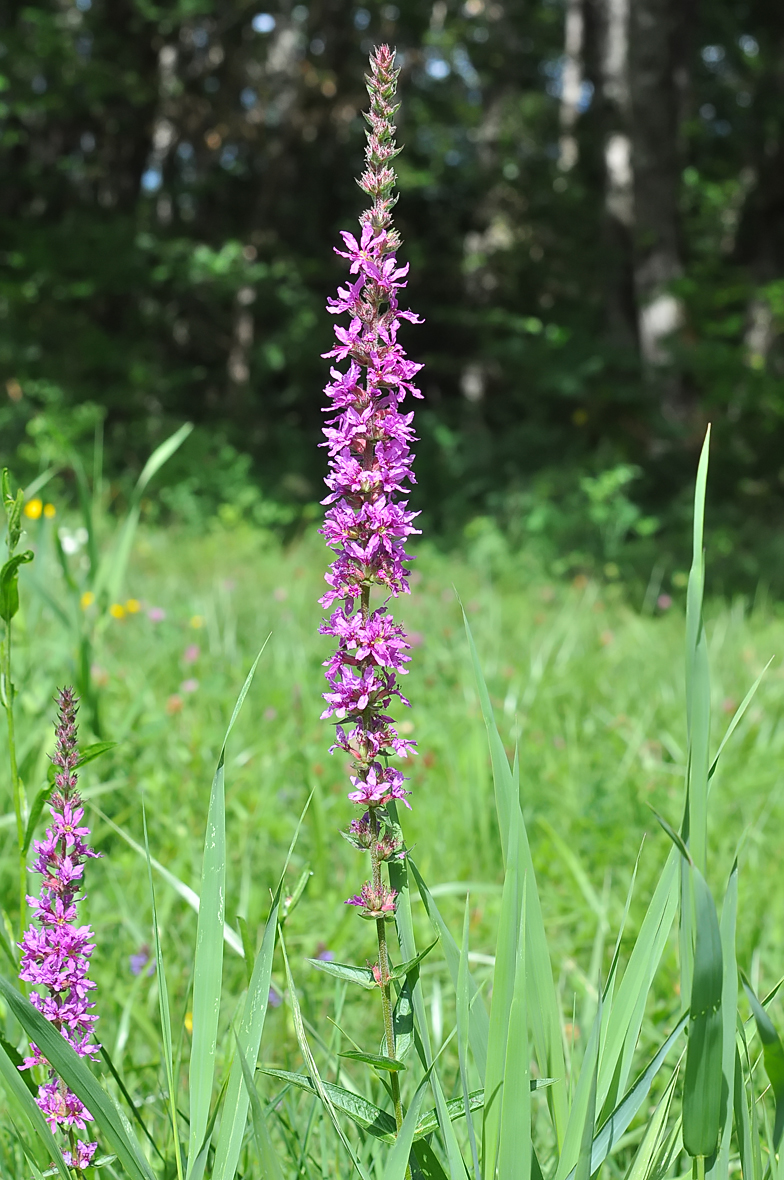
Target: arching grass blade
(72,1069)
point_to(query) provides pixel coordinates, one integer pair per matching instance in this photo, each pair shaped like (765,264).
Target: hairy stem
(383,967)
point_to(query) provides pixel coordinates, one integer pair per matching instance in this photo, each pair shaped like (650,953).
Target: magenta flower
(56,953)
(368,522)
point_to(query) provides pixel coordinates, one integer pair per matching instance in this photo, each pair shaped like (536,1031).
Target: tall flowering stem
(56,952)
(367,524)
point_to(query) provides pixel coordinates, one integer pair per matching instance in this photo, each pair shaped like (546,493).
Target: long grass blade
(628,1008)
(188,895)
(30,1113)
(738,717)
(270,1168)
(773,1057)
(702,1084)
(397,1160)
(514,1150)
(398,876)
(616,1124)
(655,1140)
(208,967)
(165,1011)
(463,1037)
(575,1157)
(312,1068)
(235,1107)
(511,927)
(235,1110)
(478,1020)
(72,1069)
(729,1010)
(543,1005)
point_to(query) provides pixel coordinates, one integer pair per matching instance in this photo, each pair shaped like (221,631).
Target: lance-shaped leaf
(377,1060)
(702,1086)
(365,1114)
(773,1056)
(9,584)
(346,971)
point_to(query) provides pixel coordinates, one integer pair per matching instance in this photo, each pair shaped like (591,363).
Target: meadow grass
(589,689)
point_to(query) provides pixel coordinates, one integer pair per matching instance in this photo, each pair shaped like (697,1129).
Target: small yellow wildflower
(87,599)
(133,606)
(189,1021)
(34,508)
(49,511)
(117,610)
(197,622)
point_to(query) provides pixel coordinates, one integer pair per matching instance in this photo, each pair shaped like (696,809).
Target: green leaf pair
(371,1118)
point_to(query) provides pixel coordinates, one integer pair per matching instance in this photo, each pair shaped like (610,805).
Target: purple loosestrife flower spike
(56,952)
(368,440)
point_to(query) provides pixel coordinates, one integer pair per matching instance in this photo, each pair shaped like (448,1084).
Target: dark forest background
(592,203)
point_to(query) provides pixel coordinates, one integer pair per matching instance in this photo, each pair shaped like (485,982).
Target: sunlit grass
(590,689)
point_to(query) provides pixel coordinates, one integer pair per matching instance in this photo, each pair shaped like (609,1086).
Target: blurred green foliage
(175,176)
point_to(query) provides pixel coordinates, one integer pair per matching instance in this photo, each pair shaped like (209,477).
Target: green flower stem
(16,786)
(383,952)
(383,967)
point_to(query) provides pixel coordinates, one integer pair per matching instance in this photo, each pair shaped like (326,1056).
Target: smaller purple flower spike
(56,953)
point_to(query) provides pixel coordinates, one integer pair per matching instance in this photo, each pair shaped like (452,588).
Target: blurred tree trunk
(612,22)
(658,35)
(571,83)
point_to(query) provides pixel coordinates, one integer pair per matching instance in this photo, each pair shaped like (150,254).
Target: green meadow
(586,684)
